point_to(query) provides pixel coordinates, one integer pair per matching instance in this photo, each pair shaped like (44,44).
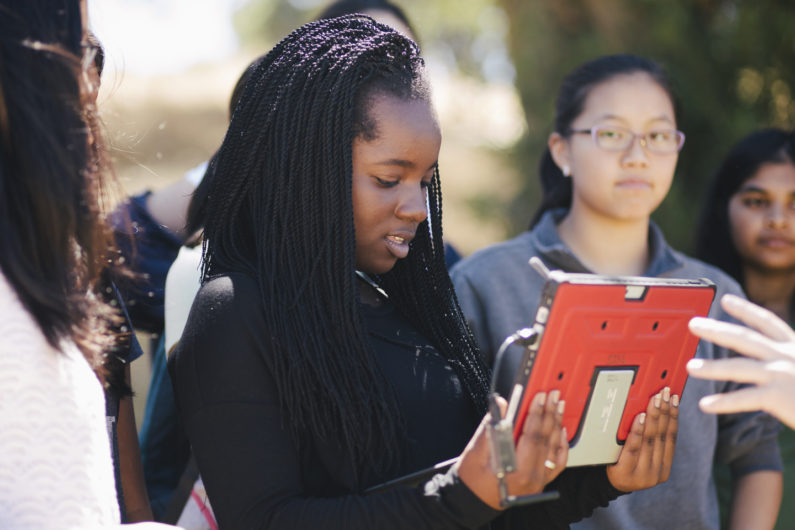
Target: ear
(559,149)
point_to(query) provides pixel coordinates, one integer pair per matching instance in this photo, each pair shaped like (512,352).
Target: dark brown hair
(54,242)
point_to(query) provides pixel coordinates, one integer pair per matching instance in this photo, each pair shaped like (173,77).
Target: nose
(636,155)
(413,205)
(777,216)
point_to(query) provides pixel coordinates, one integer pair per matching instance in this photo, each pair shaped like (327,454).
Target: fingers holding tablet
(541,453)
(671,434)
(541,448)
(647,455)
(545,447)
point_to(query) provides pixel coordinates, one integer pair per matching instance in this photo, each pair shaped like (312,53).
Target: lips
(634,183)
(398,243)
(775,242)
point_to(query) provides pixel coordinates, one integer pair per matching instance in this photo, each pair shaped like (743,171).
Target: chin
(641,213)
(774,263)
(379,268)
(778,265)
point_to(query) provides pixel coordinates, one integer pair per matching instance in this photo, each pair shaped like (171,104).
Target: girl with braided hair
(325,352)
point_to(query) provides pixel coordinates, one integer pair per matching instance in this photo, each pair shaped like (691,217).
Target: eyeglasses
(614,138)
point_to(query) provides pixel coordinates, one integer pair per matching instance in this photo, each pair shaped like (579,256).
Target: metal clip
(503,458)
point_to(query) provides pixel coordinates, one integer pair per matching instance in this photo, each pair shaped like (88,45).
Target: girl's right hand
(648,452)
(541,453)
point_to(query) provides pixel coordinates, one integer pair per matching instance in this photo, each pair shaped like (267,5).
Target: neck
(772,289)
(606,245)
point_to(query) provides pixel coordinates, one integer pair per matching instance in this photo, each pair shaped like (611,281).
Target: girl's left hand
(541,453)
(648,452)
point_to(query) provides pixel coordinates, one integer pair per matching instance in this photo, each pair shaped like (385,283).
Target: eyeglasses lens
(620,139)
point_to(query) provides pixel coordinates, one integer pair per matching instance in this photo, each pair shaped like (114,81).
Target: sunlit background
(171,66)
(495,67)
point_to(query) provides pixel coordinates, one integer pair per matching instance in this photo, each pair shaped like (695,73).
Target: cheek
(372,207)
(744,226)
(668,169)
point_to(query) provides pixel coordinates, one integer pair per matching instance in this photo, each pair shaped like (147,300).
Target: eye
(609,133)
(755,203)
(662,136)
(386,182)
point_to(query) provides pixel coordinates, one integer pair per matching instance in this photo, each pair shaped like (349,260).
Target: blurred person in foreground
(769,344)
(57,317)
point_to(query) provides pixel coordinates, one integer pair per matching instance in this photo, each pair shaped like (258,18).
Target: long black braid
(421,286)
(280,208)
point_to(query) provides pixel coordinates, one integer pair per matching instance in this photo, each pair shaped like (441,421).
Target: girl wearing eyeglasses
(609,163)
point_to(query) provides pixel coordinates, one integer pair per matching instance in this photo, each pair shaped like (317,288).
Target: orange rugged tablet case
(608,344)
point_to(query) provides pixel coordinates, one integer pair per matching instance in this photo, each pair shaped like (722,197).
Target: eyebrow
(754,189)
(616,117)
(402,163)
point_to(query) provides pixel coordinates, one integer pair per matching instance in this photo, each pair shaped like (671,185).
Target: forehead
(635,98)
(772,177)
(398,120)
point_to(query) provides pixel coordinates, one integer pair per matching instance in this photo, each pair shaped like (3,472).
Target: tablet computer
(608,344)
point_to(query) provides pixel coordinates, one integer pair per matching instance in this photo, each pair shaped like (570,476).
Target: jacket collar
(557,255)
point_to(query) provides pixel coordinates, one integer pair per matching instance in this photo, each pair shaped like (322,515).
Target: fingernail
(554,396)
(666,394)
(731,300)
(675,401)
(642,418)
(706,401)
(542,398)
(565,434)
(561,406)
(657,401)
(695,364)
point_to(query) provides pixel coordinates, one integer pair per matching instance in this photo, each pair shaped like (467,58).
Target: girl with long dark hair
(56,319)
(747,228)
(747,225)
(325,352)
(610,162)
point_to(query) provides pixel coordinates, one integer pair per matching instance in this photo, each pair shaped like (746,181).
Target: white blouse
(55,458)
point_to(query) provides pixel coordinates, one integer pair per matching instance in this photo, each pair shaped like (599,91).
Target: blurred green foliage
(731,62)
(452,26)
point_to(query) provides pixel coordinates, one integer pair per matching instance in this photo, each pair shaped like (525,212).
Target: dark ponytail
(555,185)
(557,189)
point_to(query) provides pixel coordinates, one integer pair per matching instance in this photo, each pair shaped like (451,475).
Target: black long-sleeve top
(255,475)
